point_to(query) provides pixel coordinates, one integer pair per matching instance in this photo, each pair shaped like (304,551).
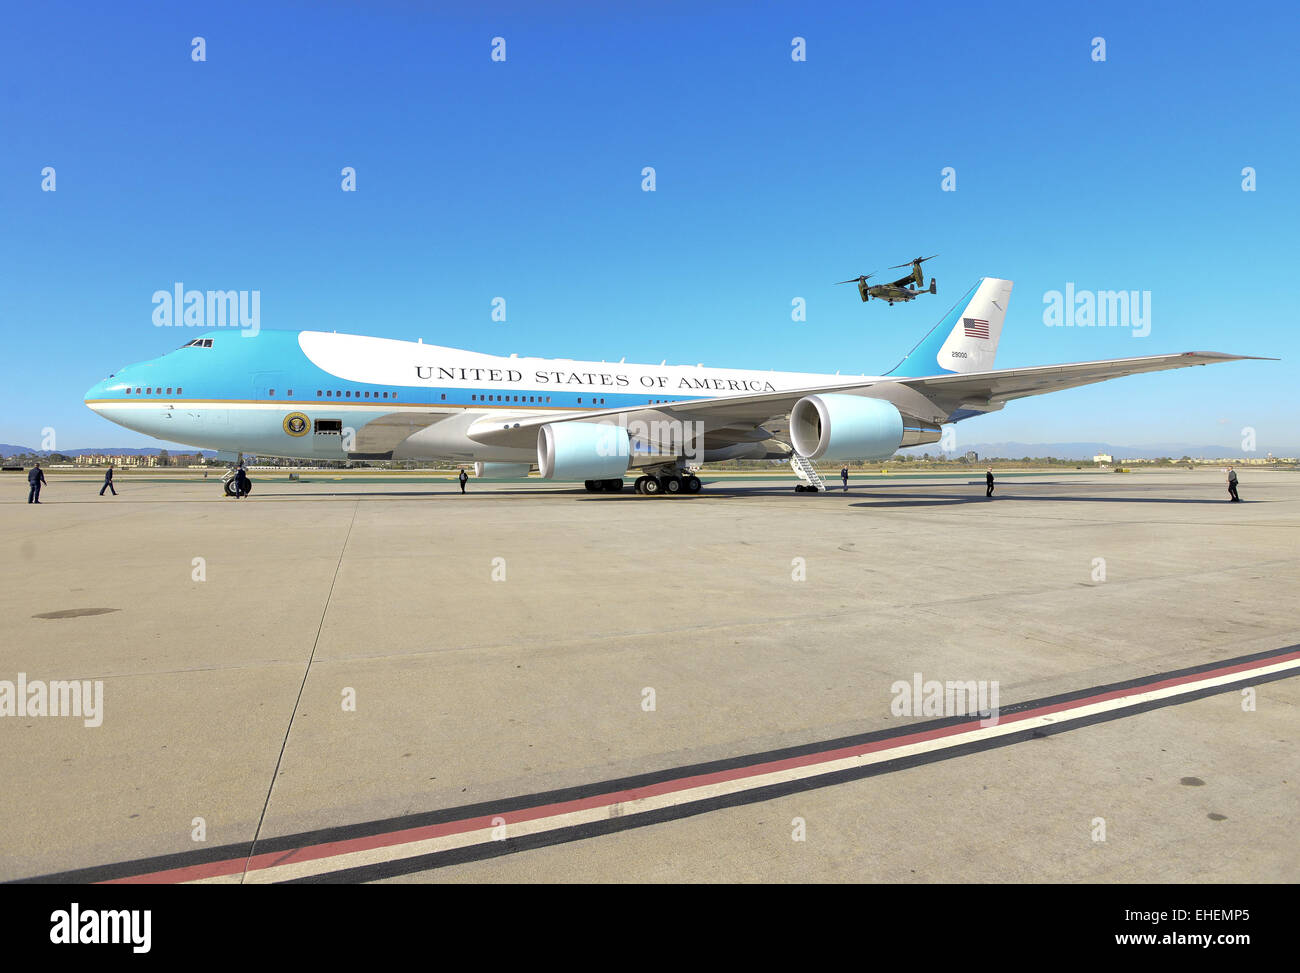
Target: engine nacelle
(502,470)
(838,427)
(582,451)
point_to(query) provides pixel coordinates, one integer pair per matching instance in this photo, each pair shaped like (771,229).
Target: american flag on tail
(975,328)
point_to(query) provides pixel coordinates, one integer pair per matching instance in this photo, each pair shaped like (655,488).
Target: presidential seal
(296,424)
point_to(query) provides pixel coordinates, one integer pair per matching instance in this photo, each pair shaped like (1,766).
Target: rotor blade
(918,260)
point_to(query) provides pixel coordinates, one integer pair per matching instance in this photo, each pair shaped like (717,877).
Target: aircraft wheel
(672,484)
(693,484)
(613,486)
(229,487)
(639,485)
(593,486)
(651,487)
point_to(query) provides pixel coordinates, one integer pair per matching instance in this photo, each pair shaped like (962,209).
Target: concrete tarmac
(507,642)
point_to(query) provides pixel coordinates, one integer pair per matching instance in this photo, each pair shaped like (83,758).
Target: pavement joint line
(329,597)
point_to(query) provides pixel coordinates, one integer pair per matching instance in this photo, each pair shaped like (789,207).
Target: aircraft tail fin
(966,340)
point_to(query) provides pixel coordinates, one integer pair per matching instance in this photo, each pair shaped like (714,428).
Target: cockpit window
(198,343)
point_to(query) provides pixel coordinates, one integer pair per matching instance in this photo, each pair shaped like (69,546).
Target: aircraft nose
(96,392)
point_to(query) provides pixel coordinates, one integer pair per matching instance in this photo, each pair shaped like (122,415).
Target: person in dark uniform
(1232,486)
(241,483)
(988,479)
(108,482)
(844,475)
(35,480)
(464,477)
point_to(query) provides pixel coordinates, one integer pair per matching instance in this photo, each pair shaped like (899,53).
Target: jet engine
(835,427)
(582,451)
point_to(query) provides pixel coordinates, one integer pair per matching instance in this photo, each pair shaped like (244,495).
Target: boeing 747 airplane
(329,396)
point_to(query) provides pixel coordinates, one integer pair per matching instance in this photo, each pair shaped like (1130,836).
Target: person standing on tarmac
(35,479)
(464,478)
(988,479)
(108,482)
(844,475)
(1232,486)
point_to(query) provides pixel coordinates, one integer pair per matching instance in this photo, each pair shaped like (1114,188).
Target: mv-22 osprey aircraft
(330,396)
(898,290)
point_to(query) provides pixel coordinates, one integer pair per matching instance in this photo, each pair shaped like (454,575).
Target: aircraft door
(269,387)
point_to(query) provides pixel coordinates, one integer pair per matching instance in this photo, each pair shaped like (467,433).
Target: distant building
(1103,458)
(972,456)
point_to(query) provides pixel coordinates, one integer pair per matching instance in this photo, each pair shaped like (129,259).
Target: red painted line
(333,848)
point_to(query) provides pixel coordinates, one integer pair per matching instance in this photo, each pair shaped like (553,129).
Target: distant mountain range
(1087,451)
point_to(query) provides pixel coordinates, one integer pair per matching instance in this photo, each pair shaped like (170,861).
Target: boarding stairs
(806,472)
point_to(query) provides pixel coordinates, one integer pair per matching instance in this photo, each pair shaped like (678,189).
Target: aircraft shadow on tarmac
(877,496)
(942,499)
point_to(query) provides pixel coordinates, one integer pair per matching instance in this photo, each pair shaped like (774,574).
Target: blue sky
(522,179)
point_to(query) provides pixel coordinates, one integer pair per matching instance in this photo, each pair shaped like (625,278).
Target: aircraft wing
(382,435)
(737,418)
(1002,385)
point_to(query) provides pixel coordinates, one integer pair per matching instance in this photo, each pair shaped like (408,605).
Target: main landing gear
(653,482)
(670,484)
